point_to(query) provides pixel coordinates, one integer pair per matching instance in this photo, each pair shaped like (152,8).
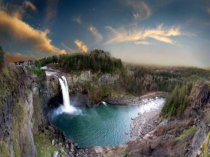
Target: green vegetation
(135,80)
(43,145)
(186,133)
(37,71)
(96,61)
(3,149)
(1,57)
(9,84)
(139,80)
(205,146)
(6,72)
(16,148)
(96,93)
(177,101)
(18,115)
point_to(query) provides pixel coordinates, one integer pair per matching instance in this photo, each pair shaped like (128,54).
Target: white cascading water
(67,107)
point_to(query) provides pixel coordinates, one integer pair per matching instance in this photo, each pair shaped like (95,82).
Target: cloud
(140,9)
(208,10)
(17,57)
(13,29)
(51,10)
(95,33)
(67,48)
(78,20)
(18,10)
(160,33)
(81,46)
(29,5)
(142,42)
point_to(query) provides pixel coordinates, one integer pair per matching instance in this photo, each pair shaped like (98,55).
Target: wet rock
(72,147)
(53,142)
(67,146)
(62,150)
(55,154)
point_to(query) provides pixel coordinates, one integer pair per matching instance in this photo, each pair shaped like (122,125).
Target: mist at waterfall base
(104,125)
(66,107)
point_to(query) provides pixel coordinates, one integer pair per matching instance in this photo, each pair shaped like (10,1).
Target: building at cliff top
(25,63)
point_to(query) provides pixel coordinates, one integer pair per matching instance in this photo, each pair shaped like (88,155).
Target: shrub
(37,71)
(178,100)
(186,133)
(205,146)
(6,72)
(43,145)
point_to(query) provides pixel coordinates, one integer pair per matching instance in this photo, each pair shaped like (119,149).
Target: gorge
(104,125)
(104,78)
(131,111)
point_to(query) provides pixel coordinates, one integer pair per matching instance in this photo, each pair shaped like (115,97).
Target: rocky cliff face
(16,103)
(87,88)
(23,104)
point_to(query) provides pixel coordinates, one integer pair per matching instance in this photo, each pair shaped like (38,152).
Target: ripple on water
(104,125)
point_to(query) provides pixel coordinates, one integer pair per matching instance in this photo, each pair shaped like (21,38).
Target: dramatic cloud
(95,33)
(81,46)
(18,10)
(140,9)
(16,30)
(139,35)
(29,5)
(17,57)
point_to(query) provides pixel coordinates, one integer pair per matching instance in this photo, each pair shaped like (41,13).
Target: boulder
(55,154)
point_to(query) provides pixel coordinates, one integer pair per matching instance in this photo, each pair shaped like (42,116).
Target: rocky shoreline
(133,100)
(145,123)
(70,148)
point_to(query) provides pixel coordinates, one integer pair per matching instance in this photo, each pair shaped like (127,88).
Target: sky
(157,32)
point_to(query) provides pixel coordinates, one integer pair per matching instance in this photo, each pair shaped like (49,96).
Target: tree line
(96,61)
(178,100)
(1,57)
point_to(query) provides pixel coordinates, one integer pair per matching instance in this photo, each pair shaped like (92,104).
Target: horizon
(161,33)
(19,58)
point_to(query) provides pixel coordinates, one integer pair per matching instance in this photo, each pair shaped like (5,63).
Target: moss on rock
(16,148)
(186,133)
(205,146)
(43,145)
(3,149)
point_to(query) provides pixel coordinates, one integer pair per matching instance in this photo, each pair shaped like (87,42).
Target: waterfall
(67,107)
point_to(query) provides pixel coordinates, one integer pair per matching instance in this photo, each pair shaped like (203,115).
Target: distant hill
(96,61)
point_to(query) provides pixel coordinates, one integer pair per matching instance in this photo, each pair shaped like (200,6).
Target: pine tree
(1,57)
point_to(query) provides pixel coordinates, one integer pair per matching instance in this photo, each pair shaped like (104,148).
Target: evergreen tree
(1,57)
